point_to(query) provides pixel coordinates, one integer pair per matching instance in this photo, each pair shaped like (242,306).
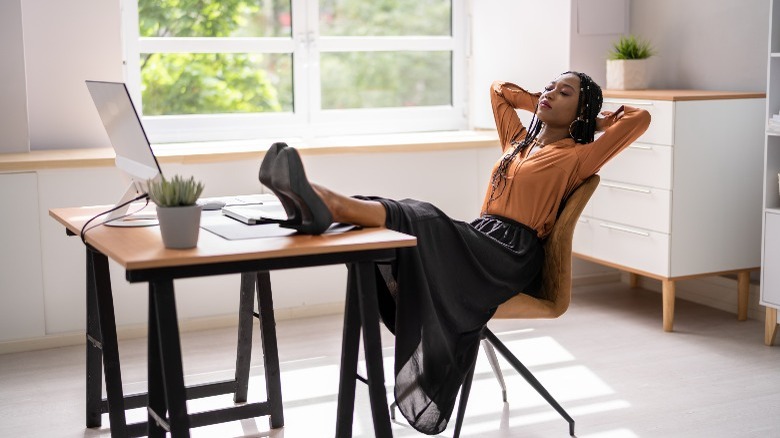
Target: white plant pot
(626,74)
(179,226)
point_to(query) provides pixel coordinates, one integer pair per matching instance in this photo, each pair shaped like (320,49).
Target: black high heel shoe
(265,176)
(289,178)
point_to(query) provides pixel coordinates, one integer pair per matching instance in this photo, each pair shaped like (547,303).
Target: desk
(141,253)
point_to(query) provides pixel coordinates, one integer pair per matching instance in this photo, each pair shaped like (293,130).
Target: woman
(438,296)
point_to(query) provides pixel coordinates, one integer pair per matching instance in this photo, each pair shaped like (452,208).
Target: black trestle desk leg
(372,347)
(94,351)
(170,354)
(350,348)
(108,340)
(273,381)
(244,349)
(157,423)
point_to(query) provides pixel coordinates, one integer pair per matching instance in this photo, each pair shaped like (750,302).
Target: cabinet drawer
(770,274)
(661,129)
(632,247)
(643,164)
(638,206)
(583,236)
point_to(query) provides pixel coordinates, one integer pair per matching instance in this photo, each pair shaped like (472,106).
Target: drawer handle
(627,188)
(625,230)
(641,147)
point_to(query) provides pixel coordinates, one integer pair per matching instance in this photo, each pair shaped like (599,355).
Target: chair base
(489,341)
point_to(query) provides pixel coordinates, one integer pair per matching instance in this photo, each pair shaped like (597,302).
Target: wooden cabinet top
(679,95)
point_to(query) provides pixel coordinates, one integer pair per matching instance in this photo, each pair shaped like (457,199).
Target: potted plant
(177,211)
(627,64)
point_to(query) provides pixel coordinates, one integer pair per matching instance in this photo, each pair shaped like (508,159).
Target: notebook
(256,213)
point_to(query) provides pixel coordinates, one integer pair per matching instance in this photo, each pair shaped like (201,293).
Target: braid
(583,129)
(498,179)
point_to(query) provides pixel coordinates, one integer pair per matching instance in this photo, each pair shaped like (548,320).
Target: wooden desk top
(679,95)
(142,248)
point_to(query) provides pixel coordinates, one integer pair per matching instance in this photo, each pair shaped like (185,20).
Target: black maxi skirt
(437,297)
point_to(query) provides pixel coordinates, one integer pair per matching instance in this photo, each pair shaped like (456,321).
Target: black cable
(84,229)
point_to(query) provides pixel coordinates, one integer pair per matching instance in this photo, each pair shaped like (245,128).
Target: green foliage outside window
(208,83)
(215,83)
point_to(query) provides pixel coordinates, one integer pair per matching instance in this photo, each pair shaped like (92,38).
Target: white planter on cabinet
(627,74)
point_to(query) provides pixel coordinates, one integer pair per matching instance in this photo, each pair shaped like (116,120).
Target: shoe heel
(266,179)
(289,178)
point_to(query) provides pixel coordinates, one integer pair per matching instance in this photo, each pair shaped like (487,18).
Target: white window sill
(252,149)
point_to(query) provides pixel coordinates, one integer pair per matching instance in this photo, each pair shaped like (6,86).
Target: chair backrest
(556,272)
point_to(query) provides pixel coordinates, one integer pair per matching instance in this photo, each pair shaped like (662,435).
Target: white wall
(512,41)
(13,98)
(531,42)
(65,43)
(705,44)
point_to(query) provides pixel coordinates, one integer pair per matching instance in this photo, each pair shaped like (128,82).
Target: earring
(571,128)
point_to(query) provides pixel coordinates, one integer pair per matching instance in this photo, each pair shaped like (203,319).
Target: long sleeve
(505,97)
(618,136)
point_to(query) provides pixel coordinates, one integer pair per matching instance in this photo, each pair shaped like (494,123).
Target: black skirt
(437,297)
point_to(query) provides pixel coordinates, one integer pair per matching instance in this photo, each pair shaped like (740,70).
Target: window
(241,69)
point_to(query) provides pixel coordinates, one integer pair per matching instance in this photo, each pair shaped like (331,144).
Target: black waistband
(510,222)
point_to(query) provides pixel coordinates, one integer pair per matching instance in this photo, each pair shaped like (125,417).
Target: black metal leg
(94,352)
(372,348)
(157,424)
(245,319)
(170,353)
(108,341)
(270,349)
(517,365)
(464,398)
(350,348)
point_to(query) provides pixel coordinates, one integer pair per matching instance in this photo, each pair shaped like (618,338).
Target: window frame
(308,120)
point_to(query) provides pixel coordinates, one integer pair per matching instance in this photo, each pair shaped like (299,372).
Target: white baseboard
(226,321)
(185,325)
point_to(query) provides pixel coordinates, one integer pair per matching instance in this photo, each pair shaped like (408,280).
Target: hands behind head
(608,118)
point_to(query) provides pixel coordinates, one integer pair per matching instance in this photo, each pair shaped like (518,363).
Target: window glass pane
(385,17)
(386,79)
(224,18)
(211,83)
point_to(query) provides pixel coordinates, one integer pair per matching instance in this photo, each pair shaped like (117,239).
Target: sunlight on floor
(310,388)
(619,433)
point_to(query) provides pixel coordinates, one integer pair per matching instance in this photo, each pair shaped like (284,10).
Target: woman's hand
(608,119)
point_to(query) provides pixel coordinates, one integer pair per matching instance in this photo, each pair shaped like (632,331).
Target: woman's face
(558,102)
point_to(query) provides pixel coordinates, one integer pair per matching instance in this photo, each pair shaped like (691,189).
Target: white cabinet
(21,287)
(684,200)
(770,282)
(770,261)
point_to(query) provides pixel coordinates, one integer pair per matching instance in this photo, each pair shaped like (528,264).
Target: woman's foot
(265,176)
(288,178)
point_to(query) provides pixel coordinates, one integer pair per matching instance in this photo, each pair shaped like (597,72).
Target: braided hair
(582,129)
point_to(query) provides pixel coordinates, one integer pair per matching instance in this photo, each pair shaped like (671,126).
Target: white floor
(607,361)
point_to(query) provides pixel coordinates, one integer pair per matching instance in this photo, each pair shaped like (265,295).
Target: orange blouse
(535,186)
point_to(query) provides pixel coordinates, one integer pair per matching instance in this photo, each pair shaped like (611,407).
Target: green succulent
(631,47)
(176,192)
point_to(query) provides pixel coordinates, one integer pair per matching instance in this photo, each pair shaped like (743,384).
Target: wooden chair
(556,289)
